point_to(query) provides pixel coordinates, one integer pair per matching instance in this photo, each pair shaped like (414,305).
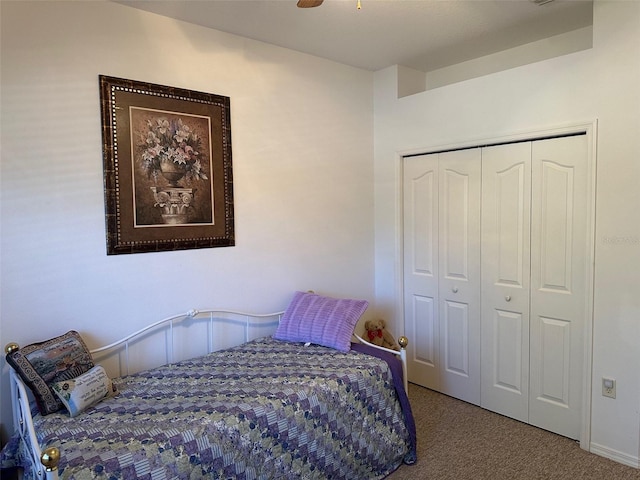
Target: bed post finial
(11,347)
(403,342)
(50,458)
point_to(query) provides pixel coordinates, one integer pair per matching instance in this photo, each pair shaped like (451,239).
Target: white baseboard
(615,455)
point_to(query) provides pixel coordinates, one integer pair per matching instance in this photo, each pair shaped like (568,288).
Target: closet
(495,277)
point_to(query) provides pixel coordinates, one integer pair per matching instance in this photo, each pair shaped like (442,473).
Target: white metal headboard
(242,326)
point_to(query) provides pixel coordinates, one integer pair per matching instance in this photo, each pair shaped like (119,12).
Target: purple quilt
(266,409)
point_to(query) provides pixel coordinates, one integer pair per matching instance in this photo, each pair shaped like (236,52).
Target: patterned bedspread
(263,410)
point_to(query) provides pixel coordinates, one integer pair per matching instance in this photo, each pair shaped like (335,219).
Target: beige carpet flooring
(457,440)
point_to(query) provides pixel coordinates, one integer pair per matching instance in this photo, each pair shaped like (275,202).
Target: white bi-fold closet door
(534,281)
(442,198)
(495,277)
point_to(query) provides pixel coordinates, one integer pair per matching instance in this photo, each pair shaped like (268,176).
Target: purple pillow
(321,320)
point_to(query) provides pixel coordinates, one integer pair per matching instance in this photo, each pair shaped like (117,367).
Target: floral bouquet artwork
(171,148)
(168,177)
(173,157)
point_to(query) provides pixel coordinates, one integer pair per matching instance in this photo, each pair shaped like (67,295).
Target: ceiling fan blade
(309,3)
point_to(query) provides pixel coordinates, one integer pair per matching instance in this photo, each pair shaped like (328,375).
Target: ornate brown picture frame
(168,180)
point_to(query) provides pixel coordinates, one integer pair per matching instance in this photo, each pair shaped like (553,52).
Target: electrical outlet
(609,387)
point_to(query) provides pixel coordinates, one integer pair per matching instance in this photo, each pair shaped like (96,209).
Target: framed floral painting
(168,179)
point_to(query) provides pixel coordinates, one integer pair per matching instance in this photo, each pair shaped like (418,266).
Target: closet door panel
(425,322)
(553,360)
(510,224)
(554,226)
(558,283)
(507,372)
(459,273)
(456,350)
(506,202)
(421,304)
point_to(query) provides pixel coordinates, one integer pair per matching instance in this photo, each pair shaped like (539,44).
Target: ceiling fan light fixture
(317,3)
(309,3)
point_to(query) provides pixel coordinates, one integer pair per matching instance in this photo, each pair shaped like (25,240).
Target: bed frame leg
(50,458)
(403,342)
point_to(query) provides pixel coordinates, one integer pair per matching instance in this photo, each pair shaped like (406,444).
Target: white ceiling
(421,34)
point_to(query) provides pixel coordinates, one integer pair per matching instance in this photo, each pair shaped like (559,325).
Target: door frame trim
(590,129)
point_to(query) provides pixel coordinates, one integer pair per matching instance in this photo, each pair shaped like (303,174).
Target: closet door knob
(508,298)
(454,289)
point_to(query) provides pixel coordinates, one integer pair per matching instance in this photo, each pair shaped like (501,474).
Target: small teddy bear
(376,333)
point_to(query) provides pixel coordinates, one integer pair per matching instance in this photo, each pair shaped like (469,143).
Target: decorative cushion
(81,392)
(40,365)
(326,321)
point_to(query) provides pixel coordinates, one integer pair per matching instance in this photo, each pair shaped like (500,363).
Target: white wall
(302,162)
(600,84)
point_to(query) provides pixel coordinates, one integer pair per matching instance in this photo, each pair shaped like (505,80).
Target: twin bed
(236,396)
